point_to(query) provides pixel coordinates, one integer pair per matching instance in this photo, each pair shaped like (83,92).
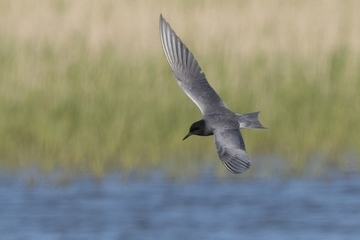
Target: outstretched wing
(188,72)
(231,150)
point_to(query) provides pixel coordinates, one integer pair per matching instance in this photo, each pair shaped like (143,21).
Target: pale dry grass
(240,27)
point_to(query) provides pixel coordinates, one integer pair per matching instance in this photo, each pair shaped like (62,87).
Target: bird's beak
(187,135)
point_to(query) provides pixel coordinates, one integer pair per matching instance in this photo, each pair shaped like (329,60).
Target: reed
(85,86)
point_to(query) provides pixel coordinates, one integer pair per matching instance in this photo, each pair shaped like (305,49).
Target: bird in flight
(218,119)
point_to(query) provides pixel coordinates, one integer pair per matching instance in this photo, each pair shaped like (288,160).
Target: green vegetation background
(85,86)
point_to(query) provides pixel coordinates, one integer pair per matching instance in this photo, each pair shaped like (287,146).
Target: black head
(197,128)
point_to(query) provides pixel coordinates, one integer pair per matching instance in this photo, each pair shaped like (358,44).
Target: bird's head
(197,128)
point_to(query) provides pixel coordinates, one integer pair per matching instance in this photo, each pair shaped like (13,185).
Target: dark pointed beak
(187,135)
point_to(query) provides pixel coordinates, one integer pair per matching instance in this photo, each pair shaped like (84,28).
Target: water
(206,208)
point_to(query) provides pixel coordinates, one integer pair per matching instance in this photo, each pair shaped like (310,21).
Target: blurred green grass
(85,85)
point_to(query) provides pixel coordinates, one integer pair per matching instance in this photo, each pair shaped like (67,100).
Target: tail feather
(250,120)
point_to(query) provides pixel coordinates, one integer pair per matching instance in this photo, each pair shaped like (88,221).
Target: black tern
(218,119)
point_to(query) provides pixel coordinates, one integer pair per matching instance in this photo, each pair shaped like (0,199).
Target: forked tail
(250,120)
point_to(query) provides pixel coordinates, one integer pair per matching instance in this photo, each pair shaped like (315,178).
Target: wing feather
(188,72)
(231,150)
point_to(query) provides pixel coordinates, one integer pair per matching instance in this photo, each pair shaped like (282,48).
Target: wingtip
(237,167)
(162,19)
(163,25)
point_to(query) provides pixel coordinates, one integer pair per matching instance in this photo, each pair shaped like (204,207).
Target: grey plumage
(218,119)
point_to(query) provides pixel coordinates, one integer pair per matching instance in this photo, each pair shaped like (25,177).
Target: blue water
(203,208)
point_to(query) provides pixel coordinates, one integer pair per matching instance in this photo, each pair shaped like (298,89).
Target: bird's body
(218,119)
